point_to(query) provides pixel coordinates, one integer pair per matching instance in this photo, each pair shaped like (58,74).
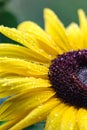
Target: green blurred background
(33,9)
(12,12)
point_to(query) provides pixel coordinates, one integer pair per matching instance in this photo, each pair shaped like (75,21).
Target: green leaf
(2,122)
(38,126)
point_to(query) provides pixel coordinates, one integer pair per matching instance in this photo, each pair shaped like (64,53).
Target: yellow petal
(8,124)
(26,40)
(9,86)
(45,41)
(68,121)
(15,106)
(9,75)
(82,119)
(16,51)
(55,28)
(55,117)
(83,25)
(82,20)
(22,67)
(36,115)
(75,36)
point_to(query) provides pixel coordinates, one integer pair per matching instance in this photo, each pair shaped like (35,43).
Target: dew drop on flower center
(68,76)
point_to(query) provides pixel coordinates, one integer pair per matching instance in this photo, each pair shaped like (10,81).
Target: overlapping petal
(55,28)
(10,86)
(22,67)
(45,41)
(75,36)
(26,40)
(19,52)
(38,114)
(15,105)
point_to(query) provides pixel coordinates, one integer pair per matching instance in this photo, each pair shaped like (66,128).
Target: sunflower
(45,77)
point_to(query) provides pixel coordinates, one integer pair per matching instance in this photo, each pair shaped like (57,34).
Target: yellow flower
(45,78)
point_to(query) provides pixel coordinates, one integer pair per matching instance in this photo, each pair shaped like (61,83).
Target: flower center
(68,76)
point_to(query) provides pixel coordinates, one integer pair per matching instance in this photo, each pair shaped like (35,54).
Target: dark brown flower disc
(68,76)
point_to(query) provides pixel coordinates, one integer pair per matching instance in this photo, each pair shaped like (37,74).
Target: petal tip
(81,13)
(48,11)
